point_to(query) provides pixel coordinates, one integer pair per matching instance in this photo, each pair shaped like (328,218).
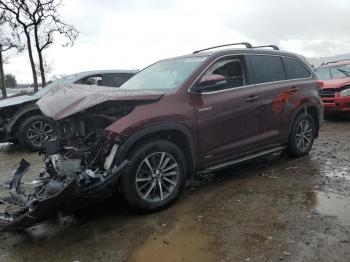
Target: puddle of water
(330,204)
(331,170)
(184,242)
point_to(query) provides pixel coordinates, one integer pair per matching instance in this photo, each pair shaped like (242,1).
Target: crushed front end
(79,170)
(80,164)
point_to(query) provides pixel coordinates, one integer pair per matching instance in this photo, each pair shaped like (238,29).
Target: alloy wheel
(157,177)
(38,132)
(303,135)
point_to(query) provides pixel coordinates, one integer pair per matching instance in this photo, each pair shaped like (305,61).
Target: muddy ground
(276,209)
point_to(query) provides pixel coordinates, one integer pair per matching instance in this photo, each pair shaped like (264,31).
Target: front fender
(19,114)
(132,140)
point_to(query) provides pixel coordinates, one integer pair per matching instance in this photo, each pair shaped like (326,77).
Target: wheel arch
(308,109)
(20,116)
(176,133)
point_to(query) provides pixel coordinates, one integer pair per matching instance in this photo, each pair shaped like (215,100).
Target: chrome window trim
(247,86)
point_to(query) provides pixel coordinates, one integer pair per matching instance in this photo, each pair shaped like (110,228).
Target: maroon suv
(200,112)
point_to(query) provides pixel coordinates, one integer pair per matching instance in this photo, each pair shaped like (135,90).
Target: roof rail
(274,47)
(246,44)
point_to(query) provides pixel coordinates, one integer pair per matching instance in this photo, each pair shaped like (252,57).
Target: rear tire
(156,177)
(302,136)
(35,130)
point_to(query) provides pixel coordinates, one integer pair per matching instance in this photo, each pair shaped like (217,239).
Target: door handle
(293,89)
(252,98)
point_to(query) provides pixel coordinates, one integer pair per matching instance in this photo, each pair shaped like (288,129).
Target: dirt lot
(270,210)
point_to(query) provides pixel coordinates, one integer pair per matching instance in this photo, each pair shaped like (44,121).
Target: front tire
(156,177)
(302,135)
(35,130)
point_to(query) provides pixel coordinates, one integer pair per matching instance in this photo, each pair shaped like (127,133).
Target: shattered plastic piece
(273,177)
(61,193)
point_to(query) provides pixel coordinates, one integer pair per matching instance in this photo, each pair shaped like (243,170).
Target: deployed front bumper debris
(64,186)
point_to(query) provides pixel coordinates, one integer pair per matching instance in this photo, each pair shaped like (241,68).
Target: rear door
(278,92)
(227,115)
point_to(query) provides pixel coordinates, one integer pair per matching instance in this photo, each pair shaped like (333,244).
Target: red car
(335,92)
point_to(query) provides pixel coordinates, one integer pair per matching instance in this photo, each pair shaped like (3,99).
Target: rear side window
(267,68)
(295,69)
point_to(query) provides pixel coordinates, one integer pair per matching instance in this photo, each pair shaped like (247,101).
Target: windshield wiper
(347,73)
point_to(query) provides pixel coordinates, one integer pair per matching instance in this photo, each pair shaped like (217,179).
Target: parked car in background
(335,90)
(22,121)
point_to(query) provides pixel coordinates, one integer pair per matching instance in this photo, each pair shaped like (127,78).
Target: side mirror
(209,82)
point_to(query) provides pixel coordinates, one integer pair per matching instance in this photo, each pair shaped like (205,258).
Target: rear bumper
(336,104)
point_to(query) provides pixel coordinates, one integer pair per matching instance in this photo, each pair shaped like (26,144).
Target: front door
(228,119)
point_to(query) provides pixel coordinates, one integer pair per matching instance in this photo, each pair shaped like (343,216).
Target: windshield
(165,74)
(334,72)
(62,81)
(323,73)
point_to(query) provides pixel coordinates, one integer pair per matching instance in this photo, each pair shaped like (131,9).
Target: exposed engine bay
(78,167)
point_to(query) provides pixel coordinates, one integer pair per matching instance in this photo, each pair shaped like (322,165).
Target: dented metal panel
(68,100)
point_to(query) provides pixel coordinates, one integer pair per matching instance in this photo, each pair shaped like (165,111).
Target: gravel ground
(276,209)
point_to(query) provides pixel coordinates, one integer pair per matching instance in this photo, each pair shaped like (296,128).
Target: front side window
(115,79)
(267,68)
(226,73)
(165,74)
(95,80)
(295,69)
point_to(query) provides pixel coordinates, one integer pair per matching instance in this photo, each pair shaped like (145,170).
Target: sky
(131,34)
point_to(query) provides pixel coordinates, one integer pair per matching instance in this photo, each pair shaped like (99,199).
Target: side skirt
(245,159)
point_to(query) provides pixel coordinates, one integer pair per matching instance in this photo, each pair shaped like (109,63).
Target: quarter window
(295,69)
(267,68)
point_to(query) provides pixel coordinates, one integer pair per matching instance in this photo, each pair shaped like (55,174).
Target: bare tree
(20,22)
(7,42)
(48,67)
(40,19)
(46,24)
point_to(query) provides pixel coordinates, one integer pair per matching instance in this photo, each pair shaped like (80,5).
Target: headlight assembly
(345,92)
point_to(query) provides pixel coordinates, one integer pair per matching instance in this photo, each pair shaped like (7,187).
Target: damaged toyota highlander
(191,114)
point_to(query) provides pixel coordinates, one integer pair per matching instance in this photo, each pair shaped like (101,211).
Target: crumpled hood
(68,100)
(17,100)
